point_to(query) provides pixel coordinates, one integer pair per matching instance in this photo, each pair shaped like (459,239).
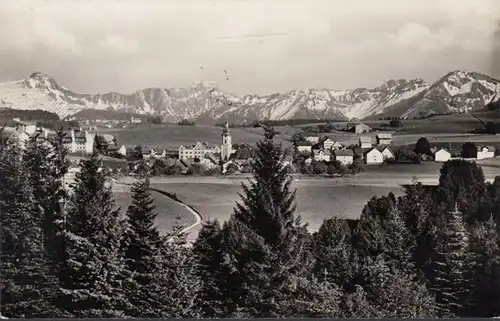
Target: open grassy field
(167,208)
(172,136)
(314,202)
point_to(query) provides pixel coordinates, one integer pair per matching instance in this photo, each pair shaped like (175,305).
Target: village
(310,153)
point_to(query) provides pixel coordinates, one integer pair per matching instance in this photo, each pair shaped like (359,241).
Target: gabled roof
(372,150)
(490,148)
(442,149)
(304,144)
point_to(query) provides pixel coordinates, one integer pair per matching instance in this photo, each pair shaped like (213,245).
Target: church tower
(227,146)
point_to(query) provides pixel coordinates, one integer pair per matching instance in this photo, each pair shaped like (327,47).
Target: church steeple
(226,147)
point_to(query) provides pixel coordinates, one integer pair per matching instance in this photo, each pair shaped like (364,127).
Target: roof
(343,153)
(361,124)
(442,149)
(365,139)
(384,135)
(490,148)
(304,144)
(371,150)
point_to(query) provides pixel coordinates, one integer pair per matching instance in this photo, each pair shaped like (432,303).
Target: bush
(469,150)
(186,122)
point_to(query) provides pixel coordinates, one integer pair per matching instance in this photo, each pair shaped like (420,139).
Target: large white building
(198,150)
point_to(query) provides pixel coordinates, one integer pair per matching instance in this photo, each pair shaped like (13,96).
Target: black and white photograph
(206,159)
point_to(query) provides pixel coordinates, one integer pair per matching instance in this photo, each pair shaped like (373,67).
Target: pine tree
(92,236)
(484,299)
(27,285)
(141,245)
(208,251)
(451,265)
(265,243)
(47,165)
(332,251)
(178,283)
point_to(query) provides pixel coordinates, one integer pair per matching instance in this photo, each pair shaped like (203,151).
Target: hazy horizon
(246,47)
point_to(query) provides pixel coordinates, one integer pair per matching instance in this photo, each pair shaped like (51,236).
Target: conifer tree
(141,244)
(28,289)
(47,165)
(92,236)
(208,251)
(264,241)
(332,251)
(178,282)
(484,299)
(450,279)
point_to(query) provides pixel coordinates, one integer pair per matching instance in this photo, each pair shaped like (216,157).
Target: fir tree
(484,299)
(47,165)
(141,251)
(93,232)
(450,280)
(264,241)
(332,251)
(28,287)
(208,251)
(178,283)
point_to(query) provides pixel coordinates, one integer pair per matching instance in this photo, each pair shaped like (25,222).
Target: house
(384,139)
(304,147)
(118,150)
(226,165)
(76,141)
(365,142)
(209,161)
(322,155)
(485,152)
(388,154)
(242,153)
(442,155)
(373,157)
(312,139)
(345,157)
(24,126)
(134,120)
(332,144)
(197,150)
(358,128)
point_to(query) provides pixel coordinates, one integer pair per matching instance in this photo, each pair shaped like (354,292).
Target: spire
(225,131)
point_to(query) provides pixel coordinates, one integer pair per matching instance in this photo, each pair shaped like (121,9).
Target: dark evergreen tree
(28,287)
(332,251)
(178,283)
(484,299)
(463,182)
(141,245)
(208,250)
(265,243)
(423,147)
(47,164)
(92,236)
(450,280)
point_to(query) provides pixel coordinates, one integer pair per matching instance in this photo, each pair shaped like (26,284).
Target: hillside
(458,91)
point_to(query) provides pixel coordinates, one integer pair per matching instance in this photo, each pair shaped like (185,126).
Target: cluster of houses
(443,155)
(328,150)
(77,141)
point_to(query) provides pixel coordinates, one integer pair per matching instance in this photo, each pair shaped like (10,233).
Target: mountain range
(457,91)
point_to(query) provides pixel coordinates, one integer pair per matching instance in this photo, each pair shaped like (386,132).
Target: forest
(70,252)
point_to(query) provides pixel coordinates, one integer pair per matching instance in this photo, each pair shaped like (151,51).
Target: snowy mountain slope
(458,91)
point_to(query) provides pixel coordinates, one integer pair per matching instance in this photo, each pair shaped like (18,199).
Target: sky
(246,46)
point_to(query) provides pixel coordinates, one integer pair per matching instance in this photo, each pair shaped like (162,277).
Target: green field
(167,209)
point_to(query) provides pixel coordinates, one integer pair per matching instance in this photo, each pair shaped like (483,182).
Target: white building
(373,157)
(227,146)
(332,144)
(312,139)
(122,151)
(485,152)
(442,155)
(345,157)
(304,147)
(322,155)
(365,142)
(388,154)
(197,150)
(384,139)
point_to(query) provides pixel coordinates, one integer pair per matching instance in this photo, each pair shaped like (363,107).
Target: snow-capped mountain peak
(203,101)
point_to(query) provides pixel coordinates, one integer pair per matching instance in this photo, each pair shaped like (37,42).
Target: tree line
(72,253)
